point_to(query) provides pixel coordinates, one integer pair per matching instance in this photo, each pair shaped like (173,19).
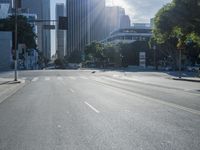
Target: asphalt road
(79,110)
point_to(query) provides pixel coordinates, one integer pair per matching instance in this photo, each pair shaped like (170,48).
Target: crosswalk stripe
(35,79)
(59,78)
(47,78)
(85,78)
(72,78)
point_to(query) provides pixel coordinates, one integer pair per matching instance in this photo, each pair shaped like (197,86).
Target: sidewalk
(190,79)
(8,87)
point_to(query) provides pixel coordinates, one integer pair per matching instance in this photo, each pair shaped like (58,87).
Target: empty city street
(90,110)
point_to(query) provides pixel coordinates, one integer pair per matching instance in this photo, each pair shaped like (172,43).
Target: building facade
(77,25)
(5,1)
(113,15)
(142,32)
(5,50)
(42,9)
(4,10)
(96,13)
(125,21)
(86,23)
(60,34)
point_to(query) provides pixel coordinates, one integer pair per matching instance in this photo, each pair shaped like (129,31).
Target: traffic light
(63,23)
(18,3)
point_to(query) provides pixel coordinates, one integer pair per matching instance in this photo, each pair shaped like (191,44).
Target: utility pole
(155,58)
(180,62)
(16,40)
(180,48)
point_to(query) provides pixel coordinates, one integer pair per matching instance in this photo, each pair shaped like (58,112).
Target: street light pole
(155,64)
(16,42)
(180,47)
(180,62)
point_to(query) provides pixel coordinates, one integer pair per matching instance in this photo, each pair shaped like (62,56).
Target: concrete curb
(11,90)
(184,79)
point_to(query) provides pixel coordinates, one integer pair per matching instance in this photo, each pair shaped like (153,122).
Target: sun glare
(122,3)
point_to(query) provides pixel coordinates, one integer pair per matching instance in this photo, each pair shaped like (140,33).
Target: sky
(140,11)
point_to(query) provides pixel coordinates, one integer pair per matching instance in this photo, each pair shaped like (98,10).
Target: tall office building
(4,10)
(113,17)
(12,3)
(6,1)
(5,6)
(152,22)
(97,19)
(77,35)
(125,21)
(42,9)
(60,34)
(86,23)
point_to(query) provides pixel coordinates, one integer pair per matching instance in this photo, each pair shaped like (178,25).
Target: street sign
(142,58)
(49,27)
(63,23)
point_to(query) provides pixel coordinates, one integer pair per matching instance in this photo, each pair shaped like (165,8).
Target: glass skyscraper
(86,23)
(60,34)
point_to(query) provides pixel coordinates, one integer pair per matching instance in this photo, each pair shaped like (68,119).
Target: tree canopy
(25,33)
(180,19)
(94,51)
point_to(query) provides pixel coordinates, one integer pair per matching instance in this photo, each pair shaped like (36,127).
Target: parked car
(193,68)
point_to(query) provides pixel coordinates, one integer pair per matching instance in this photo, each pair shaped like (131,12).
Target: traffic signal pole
(16,43)
(180,63)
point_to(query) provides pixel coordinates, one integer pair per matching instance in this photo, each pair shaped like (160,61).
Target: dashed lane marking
(71,90)
(94,109)
(72,78)
(47,78)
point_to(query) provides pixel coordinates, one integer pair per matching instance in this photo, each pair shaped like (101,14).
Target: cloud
(140,10)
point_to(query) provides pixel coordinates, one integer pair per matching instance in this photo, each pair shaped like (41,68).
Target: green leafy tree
(177,25)
(130,52)
(180,19)
(75,57)
(25,30)
(112,54)
(94,51)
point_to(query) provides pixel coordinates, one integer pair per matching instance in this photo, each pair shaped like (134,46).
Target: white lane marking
(94,109)
(35,79)
(47,78)
(59,78)
(85,78)
(72,78)
(71,90)
(116,76)
(59,126)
